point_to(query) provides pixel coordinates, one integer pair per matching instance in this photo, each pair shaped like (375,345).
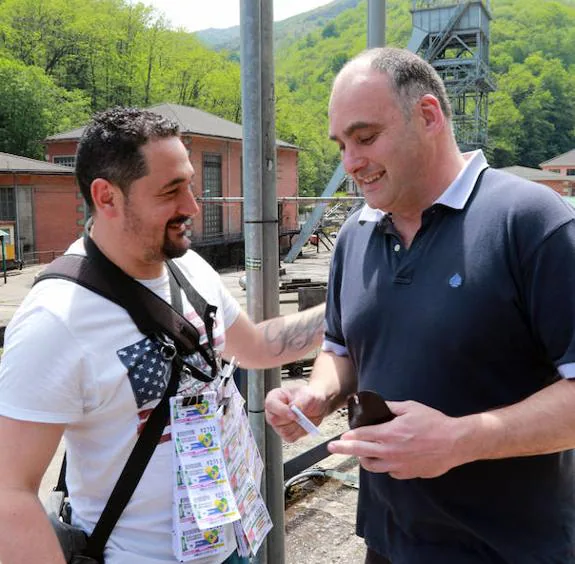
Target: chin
(177,249)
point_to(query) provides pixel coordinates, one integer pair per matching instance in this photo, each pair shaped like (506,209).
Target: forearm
(26,535)
(541,424)
(285,339)
(334,377)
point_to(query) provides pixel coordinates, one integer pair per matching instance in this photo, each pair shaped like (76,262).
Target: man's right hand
(312,403)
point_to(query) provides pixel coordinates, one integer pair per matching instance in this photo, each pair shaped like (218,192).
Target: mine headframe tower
(453,35)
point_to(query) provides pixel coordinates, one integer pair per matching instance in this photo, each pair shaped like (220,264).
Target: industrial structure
(454,37)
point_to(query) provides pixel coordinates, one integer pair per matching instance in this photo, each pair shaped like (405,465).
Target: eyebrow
(175,182)
(352,128)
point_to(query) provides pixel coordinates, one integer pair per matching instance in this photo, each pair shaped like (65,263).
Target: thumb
(398,407)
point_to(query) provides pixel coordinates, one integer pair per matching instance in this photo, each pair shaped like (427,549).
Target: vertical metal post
(274,461)
(375,23)
(17,243)
(3,257)
(250,58)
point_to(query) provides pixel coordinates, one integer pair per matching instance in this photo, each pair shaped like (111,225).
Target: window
(212,188)
(65,160)
(570,172)
(7,204)
(557,170)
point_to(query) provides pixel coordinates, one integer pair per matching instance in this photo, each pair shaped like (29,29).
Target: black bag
(156,319)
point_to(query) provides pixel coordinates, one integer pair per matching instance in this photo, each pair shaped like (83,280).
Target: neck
(440,165)
(111,246)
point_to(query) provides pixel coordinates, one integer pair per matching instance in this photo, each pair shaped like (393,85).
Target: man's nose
(189,206)
(352,161)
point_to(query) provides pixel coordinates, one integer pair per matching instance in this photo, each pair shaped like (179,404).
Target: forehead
(167,156)
(361,95)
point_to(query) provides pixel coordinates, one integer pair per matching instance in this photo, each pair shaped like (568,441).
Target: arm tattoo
(296,332)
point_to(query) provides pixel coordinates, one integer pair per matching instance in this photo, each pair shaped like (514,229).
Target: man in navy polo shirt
(450,294)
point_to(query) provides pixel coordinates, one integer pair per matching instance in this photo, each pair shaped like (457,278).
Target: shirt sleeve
(334,340)
(231,307)
(550,279)
(41,370)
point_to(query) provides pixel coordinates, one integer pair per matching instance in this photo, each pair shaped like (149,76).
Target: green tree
(32,107)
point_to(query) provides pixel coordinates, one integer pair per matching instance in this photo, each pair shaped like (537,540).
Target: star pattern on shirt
(147,370)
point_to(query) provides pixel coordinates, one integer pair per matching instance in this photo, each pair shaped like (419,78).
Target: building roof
(565,159)
(14,163)
(537,175)
(190,120)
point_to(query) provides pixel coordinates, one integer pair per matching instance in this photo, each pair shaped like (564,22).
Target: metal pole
(17,244)
(375,23)
(250,58)
(274,461)
(3,258)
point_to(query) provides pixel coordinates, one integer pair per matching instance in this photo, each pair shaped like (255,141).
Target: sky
(194,15)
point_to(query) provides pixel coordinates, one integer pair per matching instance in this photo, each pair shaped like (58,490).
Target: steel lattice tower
(453,35)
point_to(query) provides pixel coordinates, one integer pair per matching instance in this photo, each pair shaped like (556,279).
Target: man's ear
(431,113)
(107,198)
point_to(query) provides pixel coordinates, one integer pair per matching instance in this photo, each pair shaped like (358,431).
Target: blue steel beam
(313,221)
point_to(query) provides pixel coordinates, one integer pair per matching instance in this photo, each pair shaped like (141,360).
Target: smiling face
(380,147)
(157,206)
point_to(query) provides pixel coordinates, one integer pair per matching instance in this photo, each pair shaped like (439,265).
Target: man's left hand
(420,442)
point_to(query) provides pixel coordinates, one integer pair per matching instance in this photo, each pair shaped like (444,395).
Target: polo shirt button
(397,248)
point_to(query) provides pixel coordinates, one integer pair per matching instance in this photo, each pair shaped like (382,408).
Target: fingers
(371,457)
(356,448)
(277,408)
(283,419)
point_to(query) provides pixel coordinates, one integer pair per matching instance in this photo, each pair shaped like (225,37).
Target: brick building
(41,209)
(215,148)
(561,183)
(562,164)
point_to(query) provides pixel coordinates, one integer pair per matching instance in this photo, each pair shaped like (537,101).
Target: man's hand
(284,421)
(420,442)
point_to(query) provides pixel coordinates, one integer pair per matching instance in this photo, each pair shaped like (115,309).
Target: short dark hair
(411,76)
(110,147)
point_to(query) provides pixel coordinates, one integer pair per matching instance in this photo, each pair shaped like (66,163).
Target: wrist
(474,437)
(322,397)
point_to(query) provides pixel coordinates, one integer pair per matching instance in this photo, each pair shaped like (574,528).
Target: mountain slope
(285,31)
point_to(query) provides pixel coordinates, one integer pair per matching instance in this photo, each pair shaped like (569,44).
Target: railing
(40,257)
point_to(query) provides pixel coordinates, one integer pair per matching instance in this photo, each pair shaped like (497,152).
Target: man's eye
(367,140)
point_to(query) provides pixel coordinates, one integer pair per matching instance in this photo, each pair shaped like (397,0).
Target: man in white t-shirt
(71,357)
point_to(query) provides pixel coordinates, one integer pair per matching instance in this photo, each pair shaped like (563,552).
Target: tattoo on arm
(295,332)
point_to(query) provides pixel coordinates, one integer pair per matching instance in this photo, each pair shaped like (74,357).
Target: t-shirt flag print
(147,370)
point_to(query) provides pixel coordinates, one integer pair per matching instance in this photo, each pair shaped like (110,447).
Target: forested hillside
(60,60)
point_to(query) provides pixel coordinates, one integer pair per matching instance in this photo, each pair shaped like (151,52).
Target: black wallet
(367,408)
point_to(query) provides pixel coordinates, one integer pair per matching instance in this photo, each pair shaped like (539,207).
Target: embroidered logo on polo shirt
(456,280)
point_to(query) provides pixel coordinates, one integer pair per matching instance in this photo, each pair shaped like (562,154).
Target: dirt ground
(320,511)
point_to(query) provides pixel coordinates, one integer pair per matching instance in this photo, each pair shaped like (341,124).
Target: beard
(174,249)
(172,245)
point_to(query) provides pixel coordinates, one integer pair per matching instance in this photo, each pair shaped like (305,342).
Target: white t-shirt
(76,358)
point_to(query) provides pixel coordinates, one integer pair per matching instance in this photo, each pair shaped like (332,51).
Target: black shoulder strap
(151,314)
(133,469)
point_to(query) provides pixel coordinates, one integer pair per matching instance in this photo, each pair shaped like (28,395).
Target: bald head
(410,77)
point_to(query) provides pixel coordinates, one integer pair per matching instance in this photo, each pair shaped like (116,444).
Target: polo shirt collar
(456,194)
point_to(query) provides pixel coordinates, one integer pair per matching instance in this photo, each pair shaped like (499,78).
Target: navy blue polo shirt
(477,314)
